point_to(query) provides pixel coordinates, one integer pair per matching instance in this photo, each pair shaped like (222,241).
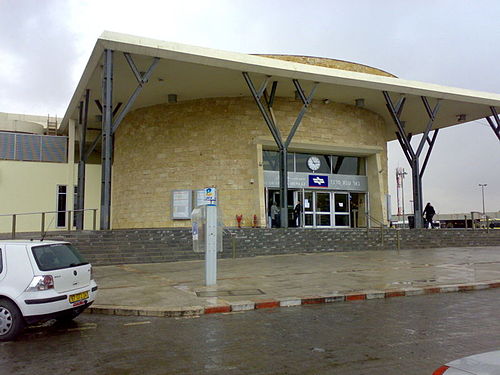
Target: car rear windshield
(57,256)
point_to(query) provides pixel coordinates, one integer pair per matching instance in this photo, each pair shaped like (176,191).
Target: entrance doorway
(320,208)
(326,209)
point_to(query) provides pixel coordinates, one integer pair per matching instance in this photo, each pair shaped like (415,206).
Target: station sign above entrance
(318,181)
(298,180)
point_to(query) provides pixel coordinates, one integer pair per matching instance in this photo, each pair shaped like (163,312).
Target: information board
(182,204)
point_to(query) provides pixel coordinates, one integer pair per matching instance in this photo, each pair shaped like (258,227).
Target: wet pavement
(161,289)
(411,336)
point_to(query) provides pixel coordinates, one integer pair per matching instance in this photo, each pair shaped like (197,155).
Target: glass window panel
(308,219)
(361,167)
(270,160)
(290,162)
(341,202)
(345,165)
(341,220)
(322,202)
(308,201)
(324,220)
(301,163)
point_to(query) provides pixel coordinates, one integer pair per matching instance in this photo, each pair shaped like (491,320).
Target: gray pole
(482,191)
(283,188)
(107,139)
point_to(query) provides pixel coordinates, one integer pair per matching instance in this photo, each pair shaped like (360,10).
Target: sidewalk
(177,289)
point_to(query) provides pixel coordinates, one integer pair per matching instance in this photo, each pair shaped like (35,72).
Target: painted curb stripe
(355,297)
(266,304)
(286,302)
(217,309)
(312,300)
(396,293)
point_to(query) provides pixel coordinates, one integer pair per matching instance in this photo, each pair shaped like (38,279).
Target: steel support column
(80,191)
(107,139)
(111,120)
(269,119)
(411,154)
(495,128)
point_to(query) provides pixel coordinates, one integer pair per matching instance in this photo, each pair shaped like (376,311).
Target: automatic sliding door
(342,212)
(323,209)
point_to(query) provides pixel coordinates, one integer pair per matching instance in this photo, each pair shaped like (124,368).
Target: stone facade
(218,142)
(331,63)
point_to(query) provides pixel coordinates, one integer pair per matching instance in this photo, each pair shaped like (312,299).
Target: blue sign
(318,181)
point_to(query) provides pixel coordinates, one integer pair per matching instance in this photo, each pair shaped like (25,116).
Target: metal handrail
(368,222)
(42,221)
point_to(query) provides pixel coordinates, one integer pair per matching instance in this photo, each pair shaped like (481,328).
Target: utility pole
(482,191)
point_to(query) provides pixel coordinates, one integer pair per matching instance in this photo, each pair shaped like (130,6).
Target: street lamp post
(482,191)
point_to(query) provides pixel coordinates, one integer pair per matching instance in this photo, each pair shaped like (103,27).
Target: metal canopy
(193,72)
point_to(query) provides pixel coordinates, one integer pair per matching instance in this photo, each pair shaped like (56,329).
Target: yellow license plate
(78,297)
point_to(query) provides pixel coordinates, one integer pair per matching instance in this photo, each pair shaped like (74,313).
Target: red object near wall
(239,218)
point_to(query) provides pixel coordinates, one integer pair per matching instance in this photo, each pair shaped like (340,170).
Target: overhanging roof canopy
(195,72)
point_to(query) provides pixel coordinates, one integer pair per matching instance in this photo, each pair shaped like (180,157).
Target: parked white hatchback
(39,281)
(477,364)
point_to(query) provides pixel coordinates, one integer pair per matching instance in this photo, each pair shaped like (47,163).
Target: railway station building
(167,120)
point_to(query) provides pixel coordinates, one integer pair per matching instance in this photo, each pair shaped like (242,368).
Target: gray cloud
(35,35)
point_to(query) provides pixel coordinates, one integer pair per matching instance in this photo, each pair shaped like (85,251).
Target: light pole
(482,191)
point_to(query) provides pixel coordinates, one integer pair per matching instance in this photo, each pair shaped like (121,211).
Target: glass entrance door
(326,209)
(342,211)
(323,210)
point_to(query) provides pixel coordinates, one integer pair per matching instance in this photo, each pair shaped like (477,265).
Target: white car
(478,364)
(39,281)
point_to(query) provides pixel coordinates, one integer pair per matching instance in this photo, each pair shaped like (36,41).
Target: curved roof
(330,63)
(196,72)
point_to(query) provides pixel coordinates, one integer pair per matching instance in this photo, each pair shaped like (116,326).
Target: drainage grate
(221,293)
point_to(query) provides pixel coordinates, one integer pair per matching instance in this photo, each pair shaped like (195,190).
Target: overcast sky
(45,44)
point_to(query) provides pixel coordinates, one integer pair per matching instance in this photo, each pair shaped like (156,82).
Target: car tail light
(41,283)
(441,370)
(91,273)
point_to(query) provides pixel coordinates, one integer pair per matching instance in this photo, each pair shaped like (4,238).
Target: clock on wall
(313,163)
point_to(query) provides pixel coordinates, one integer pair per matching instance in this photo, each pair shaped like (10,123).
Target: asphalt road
(408,335)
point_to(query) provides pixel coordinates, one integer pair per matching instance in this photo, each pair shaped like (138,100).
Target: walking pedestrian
(275,215)
(297,213)
(429,213)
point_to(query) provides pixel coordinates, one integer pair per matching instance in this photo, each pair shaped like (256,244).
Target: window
(1,262)
(345,165)
(33,147)
(297,162)
(271,161)
(325,164)
(57,256)
(61,206)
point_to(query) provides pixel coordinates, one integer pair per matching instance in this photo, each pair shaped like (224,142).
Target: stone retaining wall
(175,244)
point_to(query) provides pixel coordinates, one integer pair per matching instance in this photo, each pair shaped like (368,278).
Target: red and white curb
(287,302)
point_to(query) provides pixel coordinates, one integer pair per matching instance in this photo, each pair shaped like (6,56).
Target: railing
(43,227)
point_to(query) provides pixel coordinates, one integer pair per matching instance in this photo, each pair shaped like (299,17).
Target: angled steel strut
(410,153)
(496,128)
(111,120)
(266,109)
(80,190)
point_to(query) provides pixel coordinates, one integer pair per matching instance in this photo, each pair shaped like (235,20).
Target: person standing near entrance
(275,215)
(429,213)
(297,213)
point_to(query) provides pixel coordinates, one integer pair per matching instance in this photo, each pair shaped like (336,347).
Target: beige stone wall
(331,63)
(217,142)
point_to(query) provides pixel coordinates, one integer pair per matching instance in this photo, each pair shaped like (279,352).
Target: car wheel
(11,320)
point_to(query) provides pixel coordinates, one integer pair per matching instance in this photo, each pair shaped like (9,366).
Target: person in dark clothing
(297,213)
(428,215)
